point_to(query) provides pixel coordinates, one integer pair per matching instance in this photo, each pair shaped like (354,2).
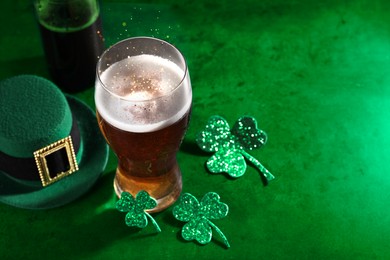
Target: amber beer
(143,105)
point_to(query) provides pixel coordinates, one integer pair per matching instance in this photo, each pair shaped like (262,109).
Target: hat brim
(91,165)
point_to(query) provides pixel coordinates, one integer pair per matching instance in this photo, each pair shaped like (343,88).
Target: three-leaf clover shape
(135,207)
(229,145)
(198,216)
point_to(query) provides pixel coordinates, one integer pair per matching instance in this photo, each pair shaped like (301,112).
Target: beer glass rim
(180,83)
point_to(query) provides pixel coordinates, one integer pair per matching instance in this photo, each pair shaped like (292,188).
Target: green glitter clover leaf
(230,145)
(198,215)
(136,215)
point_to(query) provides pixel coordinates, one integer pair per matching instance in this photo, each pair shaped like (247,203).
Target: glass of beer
(143,100)
(72,40)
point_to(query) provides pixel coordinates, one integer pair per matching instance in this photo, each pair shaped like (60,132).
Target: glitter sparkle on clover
(136,209)
(198,216)
(229,146)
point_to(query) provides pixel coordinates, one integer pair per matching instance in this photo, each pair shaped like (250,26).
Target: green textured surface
(315,75)
(44,117)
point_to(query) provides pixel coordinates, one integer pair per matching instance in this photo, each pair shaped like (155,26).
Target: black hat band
(56,158)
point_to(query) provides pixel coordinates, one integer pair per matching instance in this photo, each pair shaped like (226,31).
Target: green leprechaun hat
(51,150)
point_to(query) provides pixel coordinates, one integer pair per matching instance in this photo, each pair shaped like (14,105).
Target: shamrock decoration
(198,215)
(136,215)
(230,145)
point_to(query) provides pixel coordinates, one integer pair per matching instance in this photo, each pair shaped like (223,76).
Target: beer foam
(140,94)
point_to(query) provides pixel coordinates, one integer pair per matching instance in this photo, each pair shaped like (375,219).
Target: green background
(315,75)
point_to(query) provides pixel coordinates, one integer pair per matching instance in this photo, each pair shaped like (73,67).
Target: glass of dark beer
(71,32)
(143,102)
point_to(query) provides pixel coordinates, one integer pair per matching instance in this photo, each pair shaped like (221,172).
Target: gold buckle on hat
(41,162)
